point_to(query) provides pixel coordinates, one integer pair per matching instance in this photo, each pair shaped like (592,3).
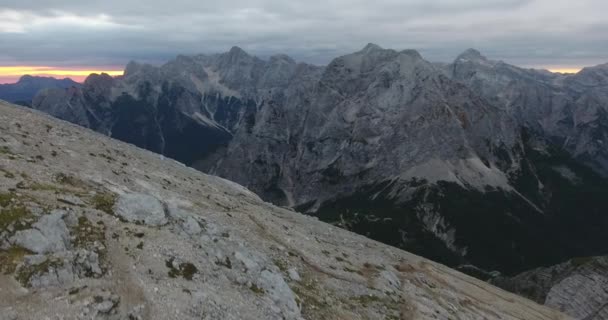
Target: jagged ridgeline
(476,162)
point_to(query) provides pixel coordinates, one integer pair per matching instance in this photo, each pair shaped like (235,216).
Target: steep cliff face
(94,228)
(470,163)
(373,115)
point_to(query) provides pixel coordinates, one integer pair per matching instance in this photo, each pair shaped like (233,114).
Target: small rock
(293,274)
(8,314)
(71,200)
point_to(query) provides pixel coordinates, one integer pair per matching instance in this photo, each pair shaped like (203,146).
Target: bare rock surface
(222,254)
(143,208)
(49,234)
(578,287)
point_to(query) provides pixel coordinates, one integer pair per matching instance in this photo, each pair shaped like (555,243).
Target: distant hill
(28,86)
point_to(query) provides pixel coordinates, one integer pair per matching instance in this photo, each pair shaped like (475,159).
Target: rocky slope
(455,163)
(24,90)
(93,228)
(578,287)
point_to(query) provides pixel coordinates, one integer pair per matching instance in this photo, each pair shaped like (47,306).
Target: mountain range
(94,228)
(24,90)
(477,164)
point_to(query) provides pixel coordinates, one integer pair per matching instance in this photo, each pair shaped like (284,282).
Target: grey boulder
(49,234)
(140,208)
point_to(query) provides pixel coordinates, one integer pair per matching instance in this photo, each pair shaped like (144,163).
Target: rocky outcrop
(223,253)
(48,234)
(577,287)
(140,208)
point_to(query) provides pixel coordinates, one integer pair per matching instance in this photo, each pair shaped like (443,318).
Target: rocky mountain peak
(412,53)
(132,68)
(277,58)
(237,53)
(371,47)
(471,55)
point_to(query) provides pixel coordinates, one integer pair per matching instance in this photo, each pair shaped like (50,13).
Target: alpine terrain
(94,228)
(477,164)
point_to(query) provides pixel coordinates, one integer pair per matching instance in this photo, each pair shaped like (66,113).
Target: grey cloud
(526,32)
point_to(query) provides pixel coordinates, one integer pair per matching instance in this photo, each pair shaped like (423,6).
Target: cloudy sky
(104,35)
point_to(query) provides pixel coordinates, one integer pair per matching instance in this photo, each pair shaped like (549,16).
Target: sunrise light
(9,74)
(564,69)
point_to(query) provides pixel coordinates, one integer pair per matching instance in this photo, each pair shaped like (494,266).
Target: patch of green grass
(6,199)
(367,299)
(24,274)
(6,150)
(10,258)
(86,235)
(15,214)
(37,186)
(309,297)
(257,289)
(281,264)
(104,202)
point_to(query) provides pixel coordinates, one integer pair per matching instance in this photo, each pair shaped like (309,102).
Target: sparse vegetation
(185,270)
(104,202)
(225,263)
(68,180)
(257,289)
(5,199)
(6,150)
(7,174)
(281,264)
(366,300)
(14,213)
(25,273)
(309,297)
(89,236)
(10,258)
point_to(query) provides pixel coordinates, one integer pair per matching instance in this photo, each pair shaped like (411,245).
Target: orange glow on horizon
(13,73)
(564,69)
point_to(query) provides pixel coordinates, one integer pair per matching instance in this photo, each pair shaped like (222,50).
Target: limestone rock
(576,287)
(48,235)
(141,208)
